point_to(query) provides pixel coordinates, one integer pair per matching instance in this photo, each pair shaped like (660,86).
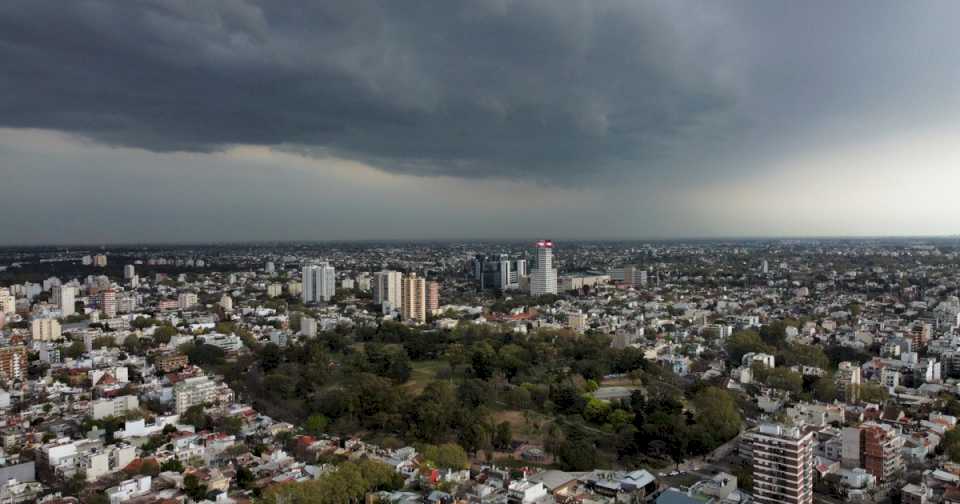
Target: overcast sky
(220,120)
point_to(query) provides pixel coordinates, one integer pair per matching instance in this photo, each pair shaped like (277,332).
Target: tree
(873,393)
(132,344)
(744,342)
(445,456)
(75,350)
(270,357)
(164,333)
(825,389)
(196,416)
(717,416)
(204,354)
(172,465)
(193,488)
(503,437)
(316,424)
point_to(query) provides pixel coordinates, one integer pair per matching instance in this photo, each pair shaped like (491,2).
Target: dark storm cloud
(546,90)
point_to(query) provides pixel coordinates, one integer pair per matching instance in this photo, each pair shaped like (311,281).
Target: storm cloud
(541,89)
(476,118)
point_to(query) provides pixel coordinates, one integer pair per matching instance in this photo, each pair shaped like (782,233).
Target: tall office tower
(8,303)
(108,303)
(782,465)
(64,297)
(129,271)
(414,306)
(46,329)
(848,381)
(433,296)
(543,280)
(387,288)
(319,282)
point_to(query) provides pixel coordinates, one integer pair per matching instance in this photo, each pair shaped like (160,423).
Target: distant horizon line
(532,240)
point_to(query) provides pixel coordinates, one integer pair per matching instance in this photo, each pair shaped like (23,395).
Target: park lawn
(523,430)
(423,373)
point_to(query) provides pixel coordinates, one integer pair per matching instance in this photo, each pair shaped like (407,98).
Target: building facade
(319,282)
(543,280)
(414,305)
(782,465)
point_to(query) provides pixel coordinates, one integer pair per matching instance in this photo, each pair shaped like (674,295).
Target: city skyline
(164,122)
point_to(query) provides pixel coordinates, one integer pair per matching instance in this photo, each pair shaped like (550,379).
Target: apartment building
(782,464)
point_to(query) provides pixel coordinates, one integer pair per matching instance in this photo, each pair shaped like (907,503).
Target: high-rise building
(433,296)
(13,363)
(387,287)
(8,303)
(875,447)
(269,268)
(543,280)
(63,295)
(129,272)
(782,464)
(920,334)
(414,306)
(319,282)
(848,380)
(500,273)
(100,260)
(46,329)
(108,303)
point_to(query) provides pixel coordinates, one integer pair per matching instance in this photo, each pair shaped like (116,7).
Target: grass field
(423,373)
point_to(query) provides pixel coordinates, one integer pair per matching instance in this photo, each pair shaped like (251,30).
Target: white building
(115,407)
(308,326)
(387,288)
(63,295)
(543,279)
(193,391)
(186,300)
(319,282)
(46,329)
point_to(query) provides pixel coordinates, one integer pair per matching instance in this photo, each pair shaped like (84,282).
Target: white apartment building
(782,465)
(46,329)
(274,290)
(64,296)
(115,407)
(319,282)
(308,326)
(387,288)
(543,279)
(194,391)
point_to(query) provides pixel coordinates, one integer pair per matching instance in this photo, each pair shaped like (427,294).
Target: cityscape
(479,252)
